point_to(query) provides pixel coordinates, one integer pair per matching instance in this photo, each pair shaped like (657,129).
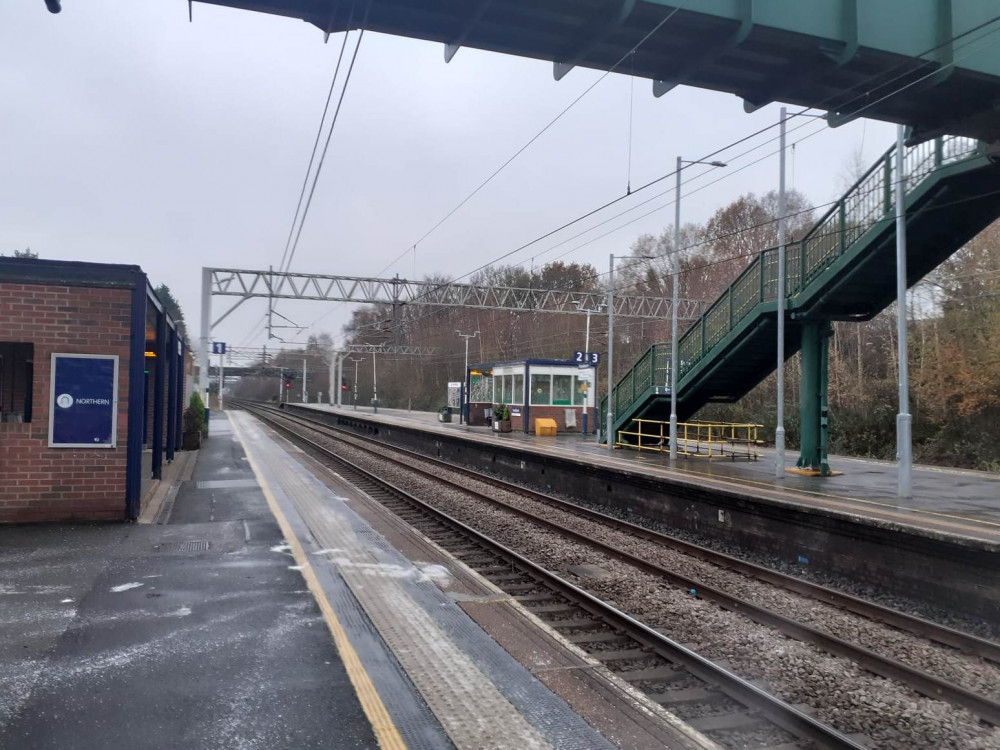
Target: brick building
(92,383)
(562,390)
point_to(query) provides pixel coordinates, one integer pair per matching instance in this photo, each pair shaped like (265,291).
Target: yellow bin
(545,427)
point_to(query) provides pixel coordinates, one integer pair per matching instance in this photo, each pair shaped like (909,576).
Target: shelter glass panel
(580,389)
(518,396)
(562,390)
(541,389)
(508,389)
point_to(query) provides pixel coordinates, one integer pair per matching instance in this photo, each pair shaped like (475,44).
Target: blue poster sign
(83,404)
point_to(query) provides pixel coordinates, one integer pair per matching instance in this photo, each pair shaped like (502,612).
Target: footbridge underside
(930,64)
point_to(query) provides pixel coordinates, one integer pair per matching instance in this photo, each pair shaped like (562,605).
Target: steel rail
(925,683)
(777,711)
(910,623)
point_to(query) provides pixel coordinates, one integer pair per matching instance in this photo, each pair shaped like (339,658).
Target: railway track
(923,682)
(724,707)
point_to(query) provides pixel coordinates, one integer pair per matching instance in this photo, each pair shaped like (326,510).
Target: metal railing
(868,202)
(696,439)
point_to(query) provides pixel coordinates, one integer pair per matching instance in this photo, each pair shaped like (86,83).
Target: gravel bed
(842,694)
(942,661)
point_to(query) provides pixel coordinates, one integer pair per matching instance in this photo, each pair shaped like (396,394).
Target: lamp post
(611,346)
(676,271)
(356,361)
(464,410)
(374,385)
(904,420)
(779,432)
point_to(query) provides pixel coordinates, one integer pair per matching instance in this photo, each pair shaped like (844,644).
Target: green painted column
(813,397)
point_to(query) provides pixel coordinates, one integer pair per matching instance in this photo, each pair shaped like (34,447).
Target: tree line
(953,330)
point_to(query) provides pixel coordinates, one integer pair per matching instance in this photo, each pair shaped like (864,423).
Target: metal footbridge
(843,269)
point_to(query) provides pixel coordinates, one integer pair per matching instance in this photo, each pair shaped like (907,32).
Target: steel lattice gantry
(244,284)
(247,284)
(930,64)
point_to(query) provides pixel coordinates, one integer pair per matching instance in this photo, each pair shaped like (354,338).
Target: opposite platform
(947,501)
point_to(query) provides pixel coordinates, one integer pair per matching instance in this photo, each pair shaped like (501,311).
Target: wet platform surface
(954,501)
(194,634)
(267,612)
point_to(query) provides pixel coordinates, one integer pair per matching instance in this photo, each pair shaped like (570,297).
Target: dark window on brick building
(17,365)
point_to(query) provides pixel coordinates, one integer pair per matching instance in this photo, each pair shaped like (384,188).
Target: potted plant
(501,418)
(194,423)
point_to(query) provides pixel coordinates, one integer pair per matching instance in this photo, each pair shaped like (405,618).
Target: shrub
(194,415)
(501,413)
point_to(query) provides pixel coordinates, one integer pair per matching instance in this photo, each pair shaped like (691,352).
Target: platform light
(150,355)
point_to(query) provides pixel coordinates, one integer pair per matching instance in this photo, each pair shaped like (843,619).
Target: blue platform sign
(586,358)
(83,403)
(218,347)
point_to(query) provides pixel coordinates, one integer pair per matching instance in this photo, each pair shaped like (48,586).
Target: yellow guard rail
(696,439)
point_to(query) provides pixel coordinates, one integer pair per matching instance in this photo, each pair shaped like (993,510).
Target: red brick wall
(38,483)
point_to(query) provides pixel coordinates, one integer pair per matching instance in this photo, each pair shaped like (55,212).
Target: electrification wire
(718,151)
(742,230)
(333,125)
(315,148)
(540,133)
(671,174)
(725,148)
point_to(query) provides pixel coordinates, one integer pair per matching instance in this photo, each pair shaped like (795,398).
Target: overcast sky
(129,135)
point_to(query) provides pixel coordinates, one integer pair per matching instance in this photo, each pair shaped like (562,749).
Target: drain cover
(198,546)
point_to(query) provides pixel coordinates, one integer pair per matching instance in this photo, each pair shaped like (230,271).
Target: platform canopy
(930,64)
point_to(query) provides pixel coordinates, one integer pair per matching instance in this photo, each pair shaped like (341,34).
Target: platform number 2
(586,358)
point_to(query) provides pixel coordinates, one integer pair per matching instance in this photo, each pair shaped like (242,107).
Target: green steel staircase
(843,269)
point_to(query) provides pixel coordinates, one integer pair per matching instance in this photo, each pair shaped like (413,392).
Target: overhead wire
(326,146)
(864,107)
(540,133)
(312,156)
(744,139)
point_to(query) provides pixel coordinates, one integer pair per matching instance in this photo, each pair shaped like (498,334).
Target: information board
(454,395)
(83,401)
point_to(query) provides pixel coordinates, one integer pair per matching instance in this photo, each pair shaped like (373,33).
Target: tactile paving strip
(469,706)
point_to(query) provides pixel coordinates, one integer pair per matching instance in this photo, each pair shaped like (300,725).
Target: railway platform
(948,501)
(271,604)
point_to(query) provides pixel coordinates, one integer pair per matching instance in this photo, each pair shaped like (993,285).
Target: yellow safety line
(385,730)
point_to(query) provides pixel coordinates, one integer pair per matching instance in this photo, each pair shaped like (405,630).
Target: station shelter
(531,388)
(93,383)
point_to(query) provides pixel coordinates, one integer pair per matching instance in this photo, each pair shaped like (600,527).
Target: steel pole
(206,330)
(374,386)
(586,338)
(611,352)
(779,431)
(356,363)
(904,421)
(222,381)
(305,397)
(675,267)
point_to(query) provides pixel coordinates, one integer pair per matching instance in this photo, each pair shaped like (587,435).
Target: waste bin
(444,415)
